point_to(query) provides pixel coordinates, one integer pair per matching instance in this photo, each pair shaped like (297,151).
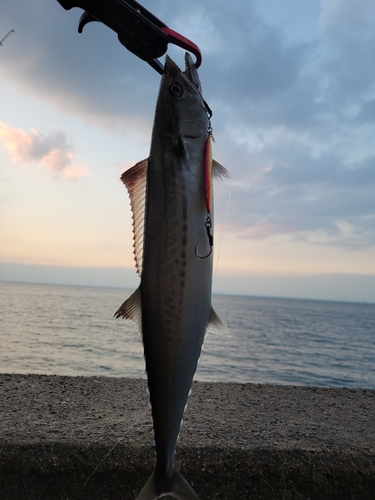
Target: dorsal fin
(135,180)
(132,309)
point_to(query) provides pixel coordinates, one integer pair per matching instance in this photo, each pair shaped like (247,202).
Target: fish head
(180,103)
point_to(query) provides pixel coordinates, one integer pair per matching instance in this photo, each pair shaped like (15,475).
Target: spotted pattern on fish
(172,305)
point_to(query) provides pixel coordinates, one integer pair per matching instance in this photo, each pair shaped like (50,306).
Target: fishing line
(114,446)
(221,238)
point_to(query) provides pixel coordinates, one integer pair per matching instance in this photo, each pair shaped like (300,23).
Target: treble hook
(208,225)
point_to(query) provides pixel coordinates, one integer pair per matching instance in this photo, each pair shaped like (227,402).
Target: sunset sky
(292,88)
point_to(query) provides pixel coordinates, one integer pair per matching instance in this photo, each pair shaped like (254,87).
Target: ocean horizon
(70,330)
(331,287)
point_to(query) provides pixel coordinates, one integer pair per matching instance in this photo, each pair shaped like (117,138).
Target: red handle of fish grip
(184,43)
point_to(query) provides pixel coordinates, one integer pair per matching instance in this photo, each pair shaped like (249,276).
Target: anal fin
(216,324)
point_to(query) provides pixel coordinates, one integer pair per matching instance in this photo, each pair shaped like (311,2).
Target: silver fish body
(172,305)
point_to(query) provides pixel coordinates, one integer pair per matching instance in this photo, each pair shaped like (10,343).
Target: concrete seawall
(238,441)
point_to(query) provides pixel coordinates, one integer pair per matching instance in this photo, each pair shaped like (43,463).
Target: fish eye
(176,90)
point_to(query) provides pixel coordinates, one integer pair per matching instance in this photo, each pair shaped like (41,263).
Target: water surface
(70,330)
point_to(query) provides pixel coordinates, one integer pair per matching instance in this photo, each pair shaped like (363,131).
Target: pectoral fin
(219,172)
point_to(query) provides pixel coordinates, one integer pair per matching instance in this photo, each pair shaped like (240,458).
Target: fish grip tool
(138,30)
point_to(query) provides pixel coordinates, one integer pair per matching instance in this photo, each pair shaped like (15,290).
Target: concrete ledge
(238,441)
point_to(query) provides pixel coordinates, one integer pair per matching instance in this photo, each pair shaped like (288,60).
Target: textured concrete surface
(76,438)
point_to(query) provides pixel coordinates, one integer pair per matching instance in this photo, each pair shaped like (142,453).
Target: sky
(292,89)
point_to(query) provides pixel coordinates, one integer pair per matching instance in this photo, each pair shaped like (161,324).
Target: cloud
(263,229)
(90,75)
(247,64)
(348,32)
(302,154)
(52,152)
(287,190)
(294,119)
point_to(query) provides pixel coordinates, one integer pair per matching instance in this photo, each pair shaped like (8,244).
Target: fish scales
(172,305)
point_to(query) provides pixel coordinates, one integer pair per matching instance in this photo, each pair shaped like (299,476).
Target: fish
(171,200)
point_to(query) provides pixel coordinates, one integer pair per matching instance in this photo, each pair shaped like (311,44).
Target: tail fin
(180,489)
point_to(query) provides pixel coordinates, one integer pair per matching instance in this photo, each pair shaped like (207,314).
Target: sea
(70,330)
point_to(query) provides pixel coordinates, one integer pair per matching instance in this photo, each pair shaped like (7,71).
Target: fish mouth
(190,75)
(191,72)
